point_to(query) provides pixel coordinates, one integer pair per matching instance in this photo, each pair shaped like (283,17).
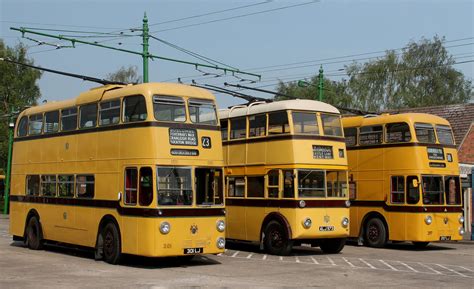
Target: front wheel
(420,245)
(375,233)
(332,246)
(277,241)
(34,234)
(112,245)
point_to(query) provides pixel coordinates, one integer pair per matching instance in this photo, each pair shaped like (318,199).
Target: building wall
(466,150)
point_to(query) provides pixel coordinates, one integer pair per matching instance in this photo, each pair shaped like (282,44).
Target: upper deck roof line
(292,104)
(352,121)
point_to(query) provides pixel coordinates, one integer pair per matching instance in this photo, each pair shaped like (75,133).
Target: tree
(125,74)
(18,89)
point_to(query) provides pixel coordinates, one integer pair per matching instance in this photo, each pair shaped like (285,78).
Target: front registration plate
(445,238)
(326,228)
(193,251)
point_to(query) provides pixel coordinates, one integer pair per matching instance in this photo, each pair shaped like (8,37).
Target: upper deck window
(35,124)
(257,125)
(397,132)
(278,123)
(331,124)
(202,111)
(369,135)
(23,127)
(305,122)
(134,108)
(224,128)
(51,120)
(425,132)
(237,128)
(109,112)
(69,119)
(445,135)
(350,135)
(169,108)
(88,115)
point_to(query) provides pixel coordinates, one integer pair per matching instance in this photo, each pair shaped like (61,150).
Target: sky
(262,37)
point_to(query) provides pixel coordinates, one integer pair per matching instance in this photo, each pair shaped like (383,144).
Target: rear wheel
(420,245)
(332,246)
(112,245)
(34,234)
(375,233)
(277,241)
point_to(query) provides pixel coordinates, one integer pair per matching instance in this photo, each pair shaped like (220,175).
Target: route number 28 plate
(193,251)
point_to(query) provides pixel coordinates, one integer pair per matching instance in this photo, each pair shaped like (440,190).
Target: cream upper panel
(356,121)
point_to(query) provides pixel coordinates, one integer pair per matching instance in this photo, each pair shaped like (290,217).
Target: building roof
(460,116)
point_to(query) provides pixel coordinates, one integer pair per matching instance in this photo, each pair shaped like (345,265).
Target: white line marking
(409,267)
(225,250)
(331,261)
(367,263)
(250,256)
(297,259)
(467,269)
(281,258)
(314,260)
(220,254)
(426,266)
(235,254)
(352,265)
(264,257)
(454,271)
(388,265)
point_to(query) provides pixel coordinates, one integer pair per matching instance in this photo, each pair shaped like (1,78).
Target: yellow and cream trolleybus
(131,169)
(403,178)
(286,175)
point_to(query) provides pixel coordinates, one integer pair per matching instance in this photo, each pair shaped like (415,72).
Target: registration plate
(192,250)
(326,228)
(445,238)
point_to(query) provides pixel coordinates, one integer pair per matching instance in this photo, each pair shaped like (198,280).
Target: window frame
(156,101)
(403,140)
(30,121)
(59,182)
(86,182)
(75,115)
(235,186)
(126,188)
(340,127)
(442,127)
(424,125)
(110,108)
(257,128)
(224,129)
(286,128)
(27,185)
(209,102)
(397,191)
(301,124)
(19,129)
(261,194)
(244,129)
(361,133)
(356,136)
(269,186)
(124,108)
(94,124)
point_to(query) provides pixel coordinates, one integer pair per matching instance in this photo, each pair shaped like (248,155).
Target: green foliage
(18,88)
(125,74)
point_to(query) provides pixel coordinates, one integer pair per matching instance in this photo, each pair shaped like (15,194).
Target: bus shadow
(255,248)
(405,246)
(127,260)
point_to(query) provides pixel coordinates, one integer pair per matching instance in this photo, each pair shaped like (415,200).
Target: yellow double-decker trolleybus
(133,169)
(286,175)
(403,178)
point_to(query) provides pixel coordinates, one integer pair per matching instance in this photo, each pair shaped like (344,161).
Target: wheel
(112,246)
(34,234)
(375,233)
(332,246)
(420,245)
(277,241)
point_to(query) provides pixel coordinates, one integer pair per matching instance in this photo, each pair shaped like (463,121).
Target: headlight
(461,219)
(302,204)
(461,231)
(345,222)
(165,228)
(220,226)
(348,203)
(220,243)
(428,220)
(307,223)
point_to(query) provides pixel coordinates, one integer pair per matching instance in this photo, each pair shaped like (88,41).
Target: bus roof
(2,177)
(356,121)
(292,104)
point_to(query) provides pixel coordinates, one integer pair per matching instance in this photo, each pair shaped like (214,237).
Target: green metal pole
(11,126)
(321,84)
(145,49)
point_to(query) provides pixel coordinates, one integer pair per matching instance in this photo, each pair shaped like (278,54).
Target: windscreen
(174,186)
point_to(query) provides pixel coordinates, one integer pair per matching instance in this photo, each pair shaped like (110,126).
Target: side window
(146,186)
(257,125)
(331,124)
(169,108)
(352,190)
(445,135)
(134,108)
(32,185)
(305,122)
(35,124)
(88,115)
(425,132)
(288,184)
(452,190)
(397,190)
(369,135)
(109,112)
(23,127)
(236,187)
(202,111)
(237,128)
(273,179)
(311,183)
(224,128)
(208,186)
(413,191)
(278,123)
(66,186)
(255,187)
(51,122)
(397,132)
(69,119)
(48,185)
(85,186)
(174,186)
(350,135)
(131,186)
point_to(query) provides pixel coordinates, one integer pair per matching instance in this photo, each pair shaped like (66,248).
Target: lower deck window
(311,183)
(397,190)
(174,186)
(273,178)
(32,185)
(209,186)
(336,182)
(85,186)
(48,185)
(433,190)
(255,187)
(66,185)
(452,190)
(236,187)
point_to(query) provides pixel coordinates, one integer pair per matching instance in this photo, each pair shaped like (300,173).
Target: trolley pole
(321,83)
(11,126)
(145,54)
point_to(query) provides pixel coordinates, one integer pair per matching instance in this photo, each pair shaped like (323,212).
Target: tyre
(277,241)
(112,249)
(420,245)
(34,234)
(375,233)
(332,246)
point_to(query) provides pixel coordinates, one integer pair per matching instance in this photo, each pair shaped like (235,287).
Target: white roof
(262,107)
